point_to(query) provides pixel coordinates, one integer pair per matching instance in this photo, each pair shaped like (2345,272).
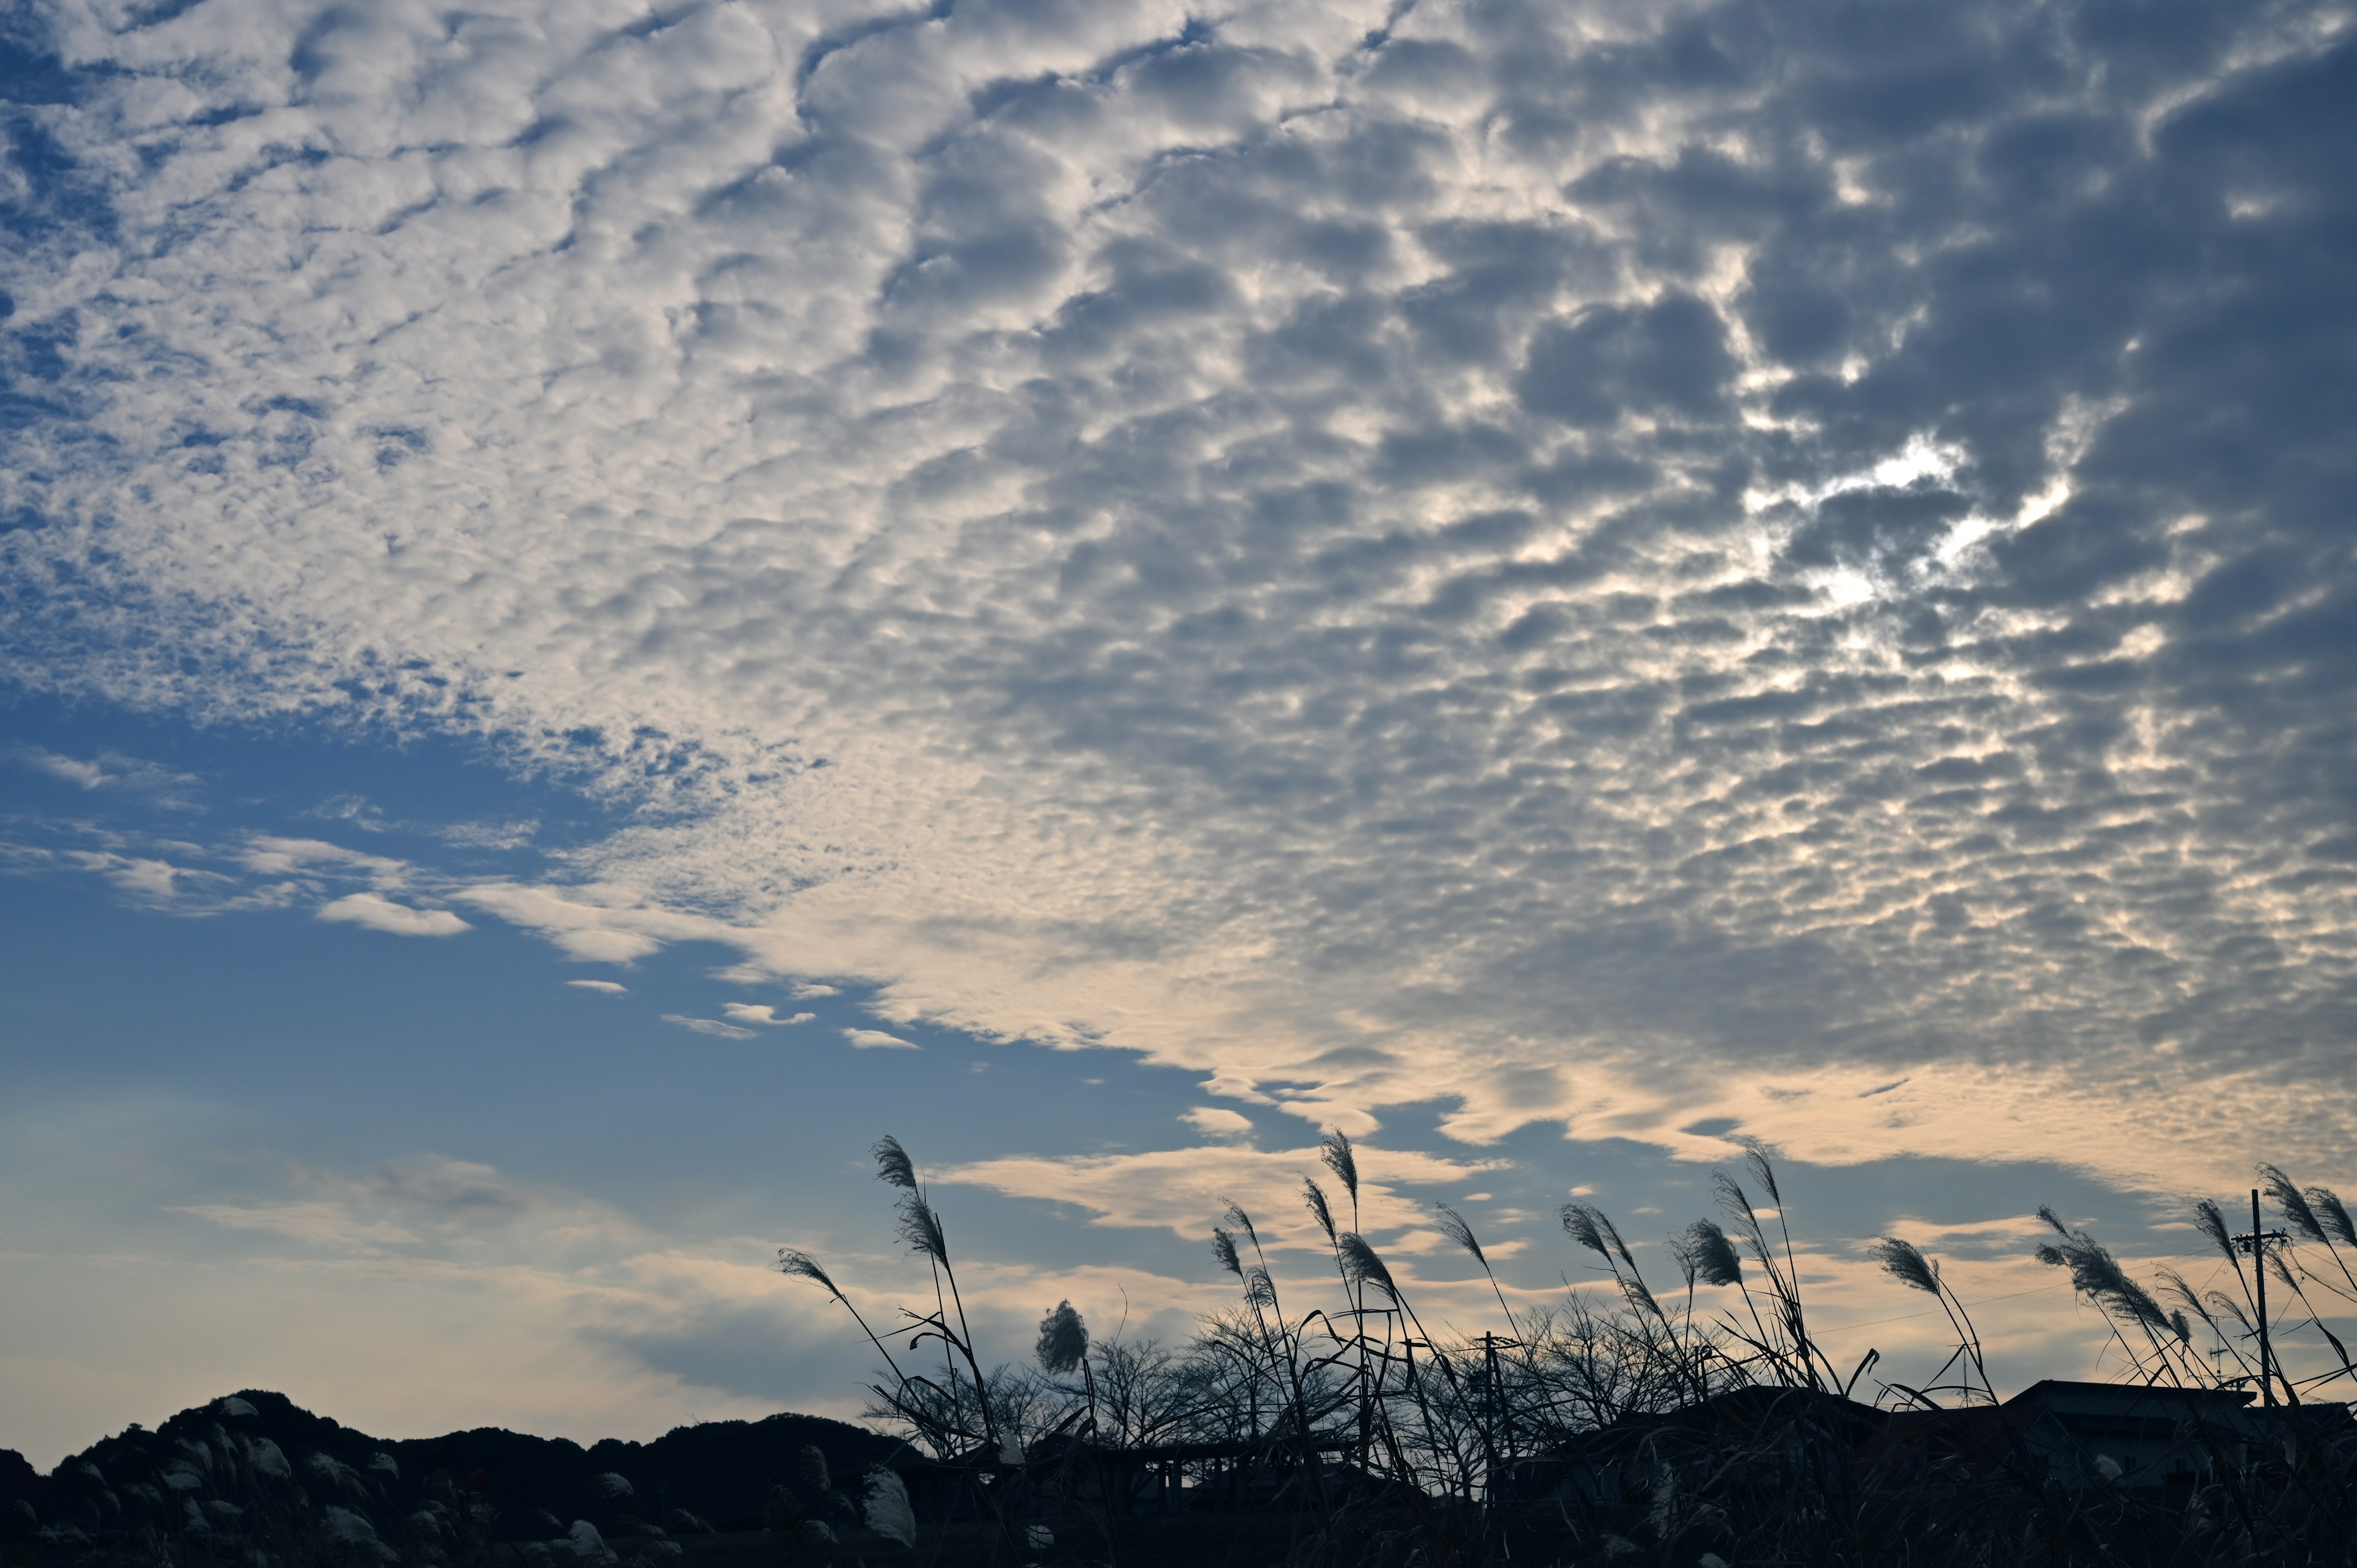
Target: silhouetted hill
(206,1468)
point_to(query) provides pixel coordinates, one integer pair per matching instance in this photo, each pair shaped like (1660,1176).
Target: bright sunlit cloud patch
(877,1040)
(400,919)
(1218,1122)
(749,1012)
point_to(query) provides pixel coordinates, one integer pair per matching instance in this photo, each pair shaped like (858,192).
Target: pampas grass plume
(921,1229)
(1905,1263)
(1364,1267)
(803,1266)
(1063,1339)
(1593,1230)
(1452,1225)
(1224,1246)
(1579,1222)
(1342,1160)
(893,1164)
(2211,1222)
(2333,1214)
(2294,1204)
(1705,1248)
(888,1510)
(1315,1197)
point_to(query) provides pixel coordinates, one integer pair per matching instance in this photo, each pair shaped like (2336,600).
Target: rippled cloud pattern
(1610,563)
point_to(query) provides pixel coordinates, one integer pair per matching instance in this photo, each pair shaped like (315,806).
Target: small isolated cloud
(72,770)
(269,855)
(708,1026)
(144,878)
(1216,1121)
(603,987)
(877,1040)
(810,993)
(488,835)
(383,915)
(605,946)
(358,809)
(320,1221)
(762,1013)
(431,1201)
(108,770)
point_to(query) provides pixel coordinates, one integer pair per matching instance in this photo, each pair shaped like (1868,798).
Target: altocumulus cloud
(1600,562)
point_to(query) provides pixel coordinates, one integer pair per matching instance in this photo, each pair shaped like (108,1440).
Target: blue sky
(1548,585)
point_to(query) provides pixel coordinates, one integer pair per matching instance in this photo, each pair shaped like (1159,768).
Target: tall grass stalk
(1710,1422)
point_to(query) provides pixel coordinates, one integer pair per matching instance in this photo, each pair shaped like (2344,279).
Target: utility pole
(1500,1424)
(2256,1244)
(1497,1432)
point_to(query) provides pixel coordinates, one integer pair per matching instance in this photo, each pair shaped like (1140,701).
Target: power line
(2201,1257)
(1935,1312)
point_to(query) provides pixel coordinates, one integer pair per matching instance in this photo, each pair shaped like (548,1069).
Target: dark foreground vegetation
(253,1473)
(1695,1419)
(1654,1429)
